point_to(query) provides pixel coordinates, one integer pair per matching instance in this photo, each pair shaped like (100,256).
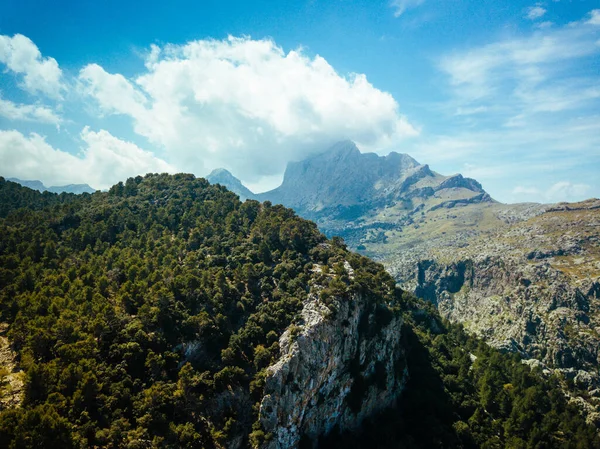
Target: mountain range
(167,313)
(70,188)
(526,277)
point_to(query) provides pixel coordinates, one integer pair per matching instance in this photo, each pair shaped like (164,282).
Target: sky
(505,92)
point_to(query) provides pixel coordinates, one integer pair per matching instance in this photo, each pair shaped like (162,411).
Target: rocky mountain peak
(225,178)
(343,149)
(342,177)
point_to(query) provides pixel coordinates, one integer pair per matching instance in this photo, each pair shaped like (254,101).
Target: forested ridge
(146,316)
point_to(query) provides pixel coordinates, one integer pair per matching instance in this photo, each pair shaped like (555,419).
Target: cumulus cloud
(401,6)
(594,18)
(40,74)
(567,191)
(246,105)
(555,193)
(524,190)
(105,160)
(535,12)
(28,113)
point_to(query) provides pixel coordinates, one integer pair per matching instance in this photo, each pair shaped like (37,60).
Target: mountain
(170,314)
(343,184)
(70,188)
(226,179)
(524,277)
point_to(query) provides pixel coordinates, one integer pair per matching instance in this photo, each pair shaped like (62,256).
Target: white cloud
(535,12)
(103,161)
(246,105)
(567,191)
(558,192)
(22,56)
(114,93)
(523,80)
(523,190)
(531,60)
(400,6)
(594,17)
(28,113)
(544,25)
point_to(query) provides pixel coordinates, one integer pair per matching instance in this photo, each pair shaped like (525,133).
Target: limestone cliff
(343,363)
(531,287)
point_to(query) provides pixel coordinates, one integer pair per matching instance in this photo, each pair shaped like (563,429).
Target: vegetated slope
(166,313)
(463,393)
(146,316)
(13,197)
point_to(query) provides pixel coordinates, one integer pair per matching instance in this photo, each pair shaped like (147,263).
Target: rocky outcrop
(532,287)
(458,181)
(531,309)
(340,365)
(11,376)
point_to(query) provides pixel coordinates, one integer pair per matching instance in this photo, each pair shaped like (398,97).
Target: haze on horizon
(506,94)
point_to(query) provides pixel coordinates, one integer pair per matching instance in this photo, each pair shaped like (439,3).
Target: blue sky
(505,92)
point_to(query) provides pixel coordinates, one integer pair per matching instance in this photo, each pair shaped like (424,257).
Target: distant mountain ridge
(226,179)
(69,188)
(343,177)
(342,185)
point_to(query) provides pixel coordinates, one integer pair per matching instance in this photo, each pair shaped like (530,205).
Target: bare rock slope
(336,369)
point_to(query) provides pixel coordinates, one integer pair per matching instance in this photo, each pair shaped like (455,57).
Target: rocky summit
(225,178)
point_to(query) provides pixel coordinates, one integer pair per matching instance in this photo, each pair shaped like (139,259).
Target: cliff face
(532,287)
(340,366)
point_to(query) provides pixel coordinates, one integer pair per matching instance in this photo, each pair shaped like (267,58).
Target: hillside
(225,178)
(523,276)
(530,287)
(166,313)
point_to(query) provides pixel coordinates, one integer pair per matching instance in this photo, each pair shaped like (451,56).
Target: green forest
(145,316)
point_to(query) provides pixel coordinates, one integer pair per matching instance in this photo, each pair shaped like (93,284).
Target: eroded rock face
(531,287)
(533,309)
(342,364)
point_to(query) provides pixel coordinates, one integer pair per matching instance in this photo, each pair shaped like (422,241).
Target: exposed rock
(226,179)
(343,184)
(336,369)
(530,287)
(11,377)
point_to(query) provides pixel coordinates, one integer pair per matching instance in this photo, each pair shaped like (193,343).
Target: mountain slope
(531,286)
(153,313)
(522,276)
(169,314)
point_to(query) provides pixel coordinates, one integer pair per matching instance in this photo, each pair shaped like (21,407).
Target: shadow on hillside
(423,417)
